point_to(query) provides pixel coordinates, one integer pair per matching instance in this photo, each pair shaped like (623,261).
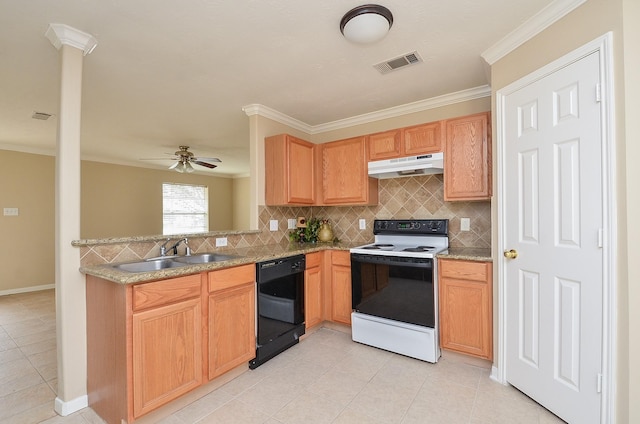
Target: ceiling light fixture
(366,24)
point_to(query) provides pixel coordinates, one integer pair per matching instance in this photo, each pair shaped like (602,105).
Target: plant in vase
(315,230)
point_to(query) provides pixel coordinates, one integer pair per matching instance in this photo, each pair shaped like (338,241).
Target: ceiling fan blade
(208,165)
(209,159)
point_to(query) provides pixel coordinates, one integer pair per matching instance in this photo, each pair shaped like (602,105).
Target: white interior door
(553,211)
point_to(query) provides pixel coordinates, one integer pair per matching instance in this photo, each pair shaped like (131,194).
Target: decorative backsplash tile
(400,198)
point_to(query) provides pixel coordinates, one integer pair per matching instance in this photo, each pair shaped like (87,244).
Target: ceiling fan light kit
(184,158)
(366,24)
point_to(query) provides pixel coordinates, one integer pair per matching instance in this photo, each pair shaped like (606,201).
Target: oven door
(396,288)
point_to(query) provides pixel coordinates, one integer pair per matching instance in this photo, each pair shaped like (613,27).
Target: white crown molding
(529,29)
(267,112)
(419,106)
(61,34)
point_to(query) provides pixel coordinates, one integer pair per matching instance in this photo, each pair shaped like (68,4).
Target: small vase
(325,233)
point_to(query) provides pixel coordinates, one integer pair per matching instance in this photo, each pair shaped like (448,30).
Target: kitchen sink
(149,265)
(203,258)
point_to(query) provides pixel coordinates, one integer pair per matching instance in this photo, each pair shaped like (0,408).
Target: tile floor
(325,379)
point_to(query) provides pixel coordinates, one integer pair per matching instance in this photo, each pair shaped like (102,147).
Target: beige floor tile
(270,394)
(22,378)
(458,372)
(351,416)
(546,417)
(384,402)
(341,388)
(246,380)
(27,339)
(23,400)
(39,347)
(309,408)
(498,404)
(28,327)
(235,412)
(203,406)
(11,355)
(302,372)
(48,371)
(38,414)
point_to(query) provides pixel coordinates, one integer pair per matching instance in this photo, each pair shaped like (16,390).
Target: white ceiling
(175,72)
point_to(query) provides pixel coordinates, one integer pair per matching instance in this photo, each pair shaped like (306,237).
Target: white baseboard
(27,289)
(494,375)
(65,408)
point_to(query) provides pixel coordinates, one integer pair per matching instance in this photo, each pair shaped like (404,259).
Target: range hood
(407,166)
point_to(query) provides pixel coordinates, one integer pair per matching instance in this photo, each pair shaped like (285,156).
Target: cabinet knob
(511,254)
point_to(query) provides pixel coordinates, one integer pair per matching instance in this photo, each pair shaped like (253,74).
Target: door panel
(554,202)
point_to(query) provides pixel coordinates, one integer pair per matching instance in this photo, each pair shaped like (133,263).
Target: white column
(70,284)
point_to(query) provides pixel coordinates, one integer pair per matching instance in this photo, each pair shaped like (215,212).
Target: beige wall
(240,203)
(123,201)
(27,183)
(592,20)
(112,206)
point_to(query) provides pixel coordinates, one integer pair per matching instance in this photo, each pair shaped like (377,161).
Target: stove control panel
(411,226)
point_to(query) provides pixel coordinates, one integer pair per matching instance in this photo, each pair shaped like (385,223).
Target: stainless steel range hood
(407,166)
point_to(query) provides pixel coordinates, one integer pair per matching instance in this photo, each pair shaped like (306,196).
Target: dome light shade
(366,24)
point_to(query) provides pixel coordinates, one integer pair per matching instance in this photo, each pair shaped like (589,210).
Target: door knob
(511,254)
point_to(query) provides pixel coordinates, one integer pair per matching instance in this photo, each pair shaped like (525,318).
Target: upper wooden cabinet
(422,139)
(467,158)
(289,171)
(409,141)
(385,145)
(345,179)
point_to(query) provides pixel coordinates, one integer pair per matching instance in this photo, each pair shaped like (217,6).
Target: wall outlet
(291,223)
(363,224)
(465,224)
(273,225)
(221,241)
(10,211)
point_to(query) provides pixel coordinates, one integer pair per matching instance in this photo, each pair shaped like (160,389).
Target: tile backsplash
(400,198)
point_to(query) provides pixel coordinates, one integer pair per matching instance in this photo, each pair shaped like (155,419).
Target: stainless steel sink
(203,258)
(149,265)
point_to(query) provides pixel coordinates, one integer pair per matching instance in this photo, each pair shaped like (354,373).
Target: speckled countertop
(243,256)
(467,253)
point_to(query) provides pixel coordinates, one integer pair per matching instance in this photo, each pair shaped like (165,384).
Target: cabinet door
(289,171)
(465,307)
(232,335)
(167,354)
(467,170)
(341,287)
(422,139)
(385,145)
(345,178)
(313,290)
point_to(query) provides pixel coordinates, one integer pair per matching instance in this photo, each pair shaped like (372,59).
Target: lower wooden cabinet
(313,290)
(232,334)
(465,303)
(167,353)
(341,307)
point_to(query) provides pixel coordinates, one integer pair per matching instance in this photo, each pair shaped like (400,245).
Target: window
(185,209)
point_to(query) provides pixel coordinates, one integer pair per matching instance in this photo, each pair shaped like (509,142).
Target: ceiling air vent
(396,63)
(41,115)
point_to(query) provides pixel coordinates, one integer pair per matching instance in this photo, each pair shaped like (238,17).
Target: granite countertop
(243,256)
(467,253)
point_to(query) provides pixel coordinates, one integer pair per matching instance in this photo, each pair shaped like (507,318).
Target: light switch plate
(363,224)
(273,225)
(10,211)
(221,241)
(465,224)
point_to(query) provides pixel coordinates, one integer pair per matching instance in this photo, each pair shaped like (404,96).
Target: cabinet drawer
(231,277)
(313,260)
(464,270)
(339,257)
(149,295)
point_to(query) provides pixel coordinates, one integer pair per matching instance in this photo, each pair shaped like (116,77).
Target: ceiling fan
(184,158)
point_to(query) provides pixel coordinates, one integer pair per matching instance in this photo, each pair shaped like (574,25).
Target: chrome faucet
(164,249)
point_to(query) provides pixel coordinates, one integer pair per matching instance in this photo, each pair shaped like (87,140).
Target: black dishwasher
(280,306)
